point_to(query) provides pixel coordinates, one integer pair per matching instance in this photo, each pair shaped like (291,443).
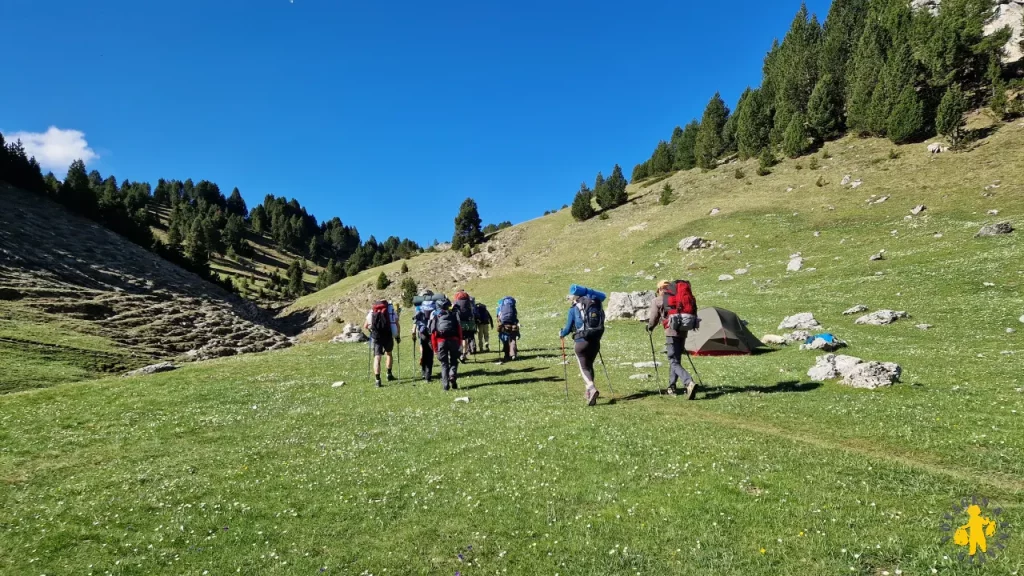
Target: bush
(382,281)
(799,166)
(821,182)
(762,171)
(602,216)
(666,197)
(582,208)
(739,174)
(825,154)
(467,251)
(405,268)
(409,290)
(517,263)
(813,164)
(894,154)
(765,162)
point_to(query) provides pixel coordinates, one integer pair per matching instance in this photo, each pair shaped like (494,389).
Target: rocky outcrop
(881,317)
(995,230)
(854,371)
(628,305)
(855,310)
(351,334)
(802,321)
(153,369)
(694,243)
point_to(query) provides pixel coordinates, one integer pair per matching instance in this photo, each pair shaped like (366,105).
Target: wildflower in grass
(763,551)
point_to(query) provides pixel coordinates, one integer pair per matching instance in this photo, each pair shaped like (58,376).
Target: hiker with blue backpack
(425,306)
(508,328)
(465,305)
(445,327)
(585,323)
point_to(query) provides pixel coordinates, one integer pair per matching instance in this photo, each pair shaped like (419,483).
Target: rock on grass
(995,229)
(881,317)
(153,369)
(801,321)
(856,310)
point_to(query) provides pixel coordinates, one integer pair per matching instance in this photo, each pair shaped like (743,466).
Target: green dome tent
(721,333)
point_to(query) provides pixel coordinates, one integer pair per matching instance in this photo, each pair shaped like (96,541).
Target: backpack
(422,316)
(380,321)
(592,326)
(680,307)
(507,313)
(465,307)
(481,314)
(446,323)
(461,295)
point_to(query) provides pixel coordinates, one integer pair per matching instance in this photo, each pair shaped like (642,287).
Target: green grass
(256,464)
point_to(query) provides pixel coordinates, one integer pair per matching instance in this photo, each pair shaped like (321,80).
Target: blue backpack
(507,313)
(423,312)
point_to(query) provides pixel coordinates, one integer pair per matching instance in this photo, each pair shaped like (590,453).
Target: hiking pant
(426,357)
(675,348)
(586,354)
(483,337)
(508,336)
(448,356)
(469,344)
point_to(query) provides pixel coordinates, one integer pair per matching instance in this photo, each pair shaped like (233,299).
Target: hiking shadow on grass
(516,382)
(499,373)
(786,386)
(634,396)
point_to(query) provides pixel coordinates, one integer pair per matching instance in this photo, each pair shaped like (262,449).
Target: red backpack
(680,306)
(461,295)
(380,321)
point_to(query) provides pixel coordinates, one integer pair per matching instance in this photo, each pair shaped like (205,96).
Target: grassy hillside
(256,464)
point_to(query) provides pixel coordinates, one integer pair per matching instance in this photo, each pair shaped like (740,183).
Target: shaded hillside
(77,295)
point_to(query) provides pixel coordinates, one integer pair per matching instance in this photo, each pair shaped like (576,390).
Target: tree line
(203,222)
(607,193)
(874,68)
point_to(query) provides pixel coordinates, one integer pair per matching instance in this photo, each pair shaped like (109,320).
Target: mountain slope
(77,299)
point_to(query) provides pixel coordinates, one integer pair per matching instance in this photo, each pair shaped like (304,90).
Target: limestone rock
(774,340)
(740,271)
(846,180)
(822,344)
(995,229)
(802,321)
(725,278)
(796,336)
(881,318)
(153,369)
(628,305)
(993,212)
(640,377)
(937,147)
(856,310)
(795,264)
(694,243)
(872,375)
(714,211)
(918,209)
(351,334)
(880,255)
(856,184)
(337,385)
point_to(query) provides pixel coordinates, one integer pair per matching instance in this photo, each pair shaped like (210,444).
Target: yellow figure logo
(974,532)
(981,538)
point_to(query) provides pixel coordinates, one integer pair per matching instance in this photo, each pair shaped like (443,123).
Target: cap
(663,284)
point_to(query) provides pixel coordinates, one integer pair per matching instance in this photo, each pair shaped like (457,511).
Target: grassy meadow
(257,465)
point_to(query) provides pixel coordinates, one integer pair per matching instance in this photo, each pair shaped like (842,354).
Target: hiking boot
(592,397)
(671,391)
(444,387)
(377,384)
(391,377)
(455,385)
(691,389)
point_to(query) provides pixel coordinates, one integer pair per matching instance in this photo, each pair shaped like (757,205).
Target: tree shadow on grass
(786,386)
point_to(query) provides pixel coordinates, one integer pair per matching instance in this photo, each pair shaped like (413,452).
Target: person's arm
(654,314)
(570,323)
(490,320)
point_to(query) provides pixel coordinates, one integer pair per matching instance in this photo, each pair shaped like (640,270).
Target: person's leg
(514,347)
(389,353)
(453,376)
(674,351)
(445,359)
(586,352)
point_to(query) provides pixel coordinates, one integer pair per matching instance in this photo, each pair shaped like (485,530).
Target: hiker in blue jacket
(585,322)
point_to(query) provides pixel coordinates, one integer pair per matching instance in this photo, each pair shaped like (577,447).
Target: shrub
(666,197)
(382,281)
(467,251)
(894,154)
(762,171)
(602,216)
(765,162)
(739,174)
(799,166)
(825,154)
(405,268)
(409,289)
(820,182)
(813,163)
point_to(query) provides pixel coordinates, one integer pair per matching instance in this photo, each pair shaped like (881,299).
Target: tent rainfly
(721,333)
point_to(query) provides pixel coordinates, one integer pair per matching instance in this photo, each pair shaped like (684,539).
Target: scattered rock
(995,229)
(987,284)
(640,377)
(924,326)
(856,310)
(854,371)
(725,278)
(817,234)
(774,340)
(152,369)
(629,305)
(740,271)
(714,211)
(846,180)
(857,184)
(650,364)
(795,264)
(1011,331)
(790,189)
(824,345)
(463,399)
(918,209)
(796,336)
(802,321)
(879,256)
(937,235)
(880,200)
(993,212)
(881,317)
(337,385)
(992,186)
(1021,319)
(586,270)
(351,334)
(937,148)
(694,243)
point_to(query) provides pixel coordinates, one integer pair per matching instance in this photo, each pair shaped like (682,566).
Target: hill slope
(77,299)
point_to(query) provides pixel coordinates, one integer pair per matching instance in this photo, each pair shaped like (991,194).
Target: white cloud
(55,149)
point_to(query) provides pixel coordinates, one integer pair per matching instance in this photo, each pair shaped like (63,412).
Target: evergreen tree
(52,184)
(409,290)
(582,208)
(684,153)
(709,143)
(765,161)
(467,226)
(824,110)
(843,28)
(753,125)
(865,72)
(729,131)
(794,142)
(660,163)
(77,193)
(383,282)
(296,287)
(236,204)
(949,118)
(616,186)
(196,249)
(906,121)
(259,220)
(639,172)
(666,196)
(796,70)
(234,234)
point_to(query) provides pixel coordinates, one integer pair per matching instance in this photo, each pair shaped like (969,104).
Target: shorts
(508,332)
(380,347)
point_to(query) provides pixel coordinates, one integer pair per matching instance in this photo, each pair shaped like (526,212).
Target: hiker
(484,323)
(585,322)
(445,329)
(422,333)
(382,321)
(464,304)
(508,328)
(676,309)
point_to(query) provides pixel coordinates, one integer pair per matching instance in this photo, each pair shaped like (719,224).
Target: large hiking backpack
(507,313)
(680,307)
(380,321)
(481,314)
(592,327)
(465,307)
(446,323)
(423,313)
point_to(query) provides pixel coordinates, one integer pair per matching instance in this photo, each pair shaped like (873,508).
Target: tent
(721,333)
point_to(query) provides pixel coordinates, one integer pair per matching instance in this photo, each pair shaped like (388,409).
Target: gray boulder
(153,369)
(802,321)
(918,209)
(822,344)
(640,377)
(628,305)
(795,264)
(856,310)
(351,334)
(694,243)
(725,277)
(881,317)
(880,255)
(774,340)
(872,375)
(796,336)
(995,229)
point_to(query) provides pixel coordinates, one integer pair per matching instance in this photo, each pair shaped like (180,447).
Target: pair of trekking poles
(565,370)
(654,359)
(398,353)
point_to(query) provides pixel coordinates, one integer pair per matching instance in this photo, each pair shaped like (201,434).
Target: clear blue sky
(386,114)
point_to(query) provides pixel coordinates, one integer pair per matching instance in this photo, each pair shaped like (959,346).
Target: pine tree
(666,196)
(409,290)
(824,110)
(843,28)
(77,193)
(616,187)
(796,71)
(765,161)
(709,143)
(907,121)
(582,209)
(196,249)
(865,72)
(753,125)
(405,268)
(729,131)
(660,163)
(383,282)
(639,172)
(949,118)
(601,193)
(467,226)
(296,287)
(794,142)
(683,155)
(236,204)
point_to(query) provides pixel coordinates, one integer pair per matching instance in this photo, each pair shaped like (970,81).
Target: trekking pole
(699,380)
(398,350)
(605,366)
(369,357)
(565,370)
(654,359)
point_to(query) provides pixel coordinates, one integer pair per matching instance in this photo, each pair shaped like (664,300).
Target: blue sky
(386,114)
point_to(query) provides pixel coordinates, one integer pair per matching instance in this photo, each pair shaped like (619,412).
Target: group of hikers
(453,331)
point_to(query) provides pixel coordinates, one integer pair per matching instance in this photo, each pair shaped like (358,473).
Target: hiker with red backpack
(675,308)
(465,306)
(585,322)
(445,328)
(382,321)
